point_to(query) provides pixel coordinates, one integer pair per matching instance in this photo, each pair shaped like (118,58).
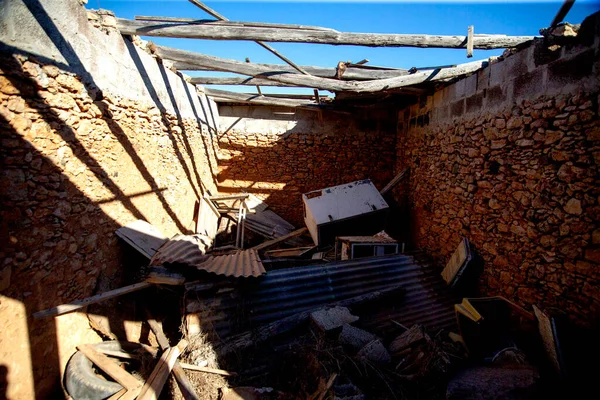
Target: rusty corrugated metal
(190,251)
(241,264)
(281,293)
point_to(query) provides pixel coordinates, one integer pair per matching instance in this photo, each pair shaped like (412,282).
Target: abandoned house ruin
(231,220)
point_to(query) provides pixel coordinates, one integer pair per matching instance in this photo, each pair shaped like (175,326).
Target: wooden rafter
(227,96)
(265,34)
(352,73)
(256,70)
(260,43)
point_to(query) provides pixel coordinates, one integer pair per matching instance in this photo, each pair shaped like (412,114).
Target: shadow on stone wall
(57,241)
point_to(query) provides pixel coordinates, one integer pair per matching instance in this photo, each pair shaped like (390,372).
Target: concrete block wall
(509,157)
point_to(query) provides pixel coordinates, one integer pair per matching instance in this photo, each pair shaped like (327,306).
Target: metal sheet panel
(242,264)
(185,250)
(285,292)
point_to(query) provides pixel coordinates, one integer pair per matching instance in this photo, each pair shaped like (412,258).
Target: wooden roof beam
(224,96)
(266,34)
(257,70)
(351,74)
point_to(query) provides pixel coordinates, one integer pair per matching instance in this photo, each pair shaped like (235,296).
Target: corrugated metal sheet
(242,264)
(187,250)
(190,251)
(285,292)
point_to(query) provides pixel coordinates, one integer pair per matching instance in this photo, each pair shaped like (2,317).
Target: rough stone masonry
(509,158)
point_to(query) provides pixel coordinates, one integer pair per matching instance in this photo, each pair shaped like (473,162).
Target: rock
(484,383)
(332,318)
(573,206)
(375,352)
(414,335)
(355,338)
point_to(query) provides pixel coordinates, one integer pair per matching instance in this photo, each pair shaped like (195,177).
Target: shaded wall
(509,158)
(278,154)
(94,135)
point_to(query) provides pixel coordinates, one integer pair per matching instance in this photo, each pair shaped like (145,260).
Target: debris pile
(315,317)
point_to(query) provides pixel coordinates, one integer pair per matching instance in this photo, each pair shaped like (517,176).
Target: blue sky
(444,18)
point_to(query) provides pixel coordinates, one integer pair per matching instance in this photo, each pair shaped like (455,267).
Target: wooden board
(163,368)
(111,368)
(78,304)
(323,36)
(207,370)
(280,239)
(208,218)
(142,236)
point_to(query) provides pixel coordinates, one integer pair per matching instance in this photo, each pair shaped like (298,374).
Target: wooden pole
(79,304)
(226,96)
(266,46)
(256,70)
(257,34)
(470,41)
(230,23)
(353,73)
(562,12)
(186,387)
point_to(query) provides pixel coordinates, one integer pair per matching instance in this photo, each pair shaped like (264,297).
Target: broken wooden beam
(280,239)
(79,304)
(264,45)
(358,73)
(268,34)
(246,81)
(224,96)
(256,70)
(155,383)
(109,366)
(393,182)
(186,387)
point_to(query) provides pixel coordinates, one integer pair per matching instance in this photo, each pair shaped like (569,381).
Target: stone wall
(509,158)
(81,156)
(278,154)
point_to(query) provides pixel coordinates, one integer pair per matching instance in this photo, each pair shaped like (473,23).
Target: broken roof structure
(137,199)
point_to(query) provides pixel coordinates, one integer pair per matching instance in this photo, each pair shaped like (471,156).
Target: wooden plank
(470,41)
(186,387)
(207,370)
(266,46)
(227,65)
(164,276)
(208,218)
(562,12)
(280,239)
(393,182)
(266,34)
(79,304)
(142,236)
(352,73)
(154,385)
(210,80)
(231,23)
(111,368)
(226,96)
